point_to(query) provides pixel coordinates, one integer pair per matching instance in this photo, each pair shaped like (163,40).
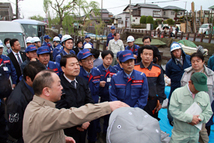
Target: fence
(158,34)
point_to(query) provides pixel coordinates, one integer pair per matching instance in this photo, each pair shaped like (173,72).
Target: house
(148,10)
(169,12)
(6,11)
(101,14)
(122,20)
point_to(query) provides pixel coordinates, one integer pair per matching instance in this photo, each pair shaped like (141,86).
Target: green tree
(143,19)
(170,21)
(38,17)
(150,20)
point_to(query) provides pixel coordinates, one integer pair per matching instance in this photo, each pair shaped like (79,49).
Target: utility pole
(130,21)
(17,9)
(101,9)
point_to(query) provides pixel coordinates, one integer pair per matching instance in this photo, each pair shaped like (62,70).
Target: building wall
(135,20)
(171,14)
(150,12)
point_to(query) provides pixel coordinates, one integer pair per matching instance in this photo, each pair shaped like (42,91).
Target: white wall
(146,12)
(135,20)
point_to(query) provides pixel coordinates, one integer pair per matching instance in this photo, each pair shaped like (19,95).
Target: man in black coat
(17,57)
(75,94)
(19,99)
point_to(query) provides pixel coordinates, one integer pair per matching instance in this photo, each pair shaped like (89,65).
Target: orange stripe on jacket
(154,72)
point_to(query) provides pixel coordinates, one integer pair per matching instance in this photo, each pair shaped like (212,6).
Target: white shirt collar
(16,53)
(69,79)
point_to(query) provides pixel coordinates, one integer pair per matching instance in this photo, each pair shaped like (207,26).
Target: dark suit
(16,64)
(75,98)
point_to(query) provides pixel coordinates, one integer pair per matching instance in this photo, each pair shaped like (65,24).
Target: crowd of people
(59,92)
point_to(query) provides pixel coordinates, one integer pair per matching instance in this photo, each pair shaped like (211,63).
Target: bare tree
(64,8)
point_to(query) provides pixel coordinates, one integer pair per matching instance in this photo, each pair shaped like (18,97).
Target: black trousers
(150,106)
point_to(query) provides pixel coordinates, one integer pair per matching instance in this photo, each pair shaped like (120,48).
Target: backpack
(5,86)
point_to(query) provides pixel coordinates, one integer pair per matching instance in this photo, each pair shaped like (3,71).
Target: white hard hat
(175,46)
(87,46)
(36,39)
(130,39)
(56,39)
(29,40)
(1,44)
(66,37)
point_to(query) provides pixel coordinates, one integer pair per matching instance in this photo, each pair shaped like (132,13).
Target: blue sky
(35,7)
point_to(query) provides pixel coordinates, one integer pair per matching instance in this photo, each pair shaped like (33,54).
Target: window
(164,13)
(133,20)
(172,13)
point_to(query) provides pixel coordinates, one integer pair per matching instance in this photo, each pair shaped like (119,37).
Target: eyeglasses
(88,60)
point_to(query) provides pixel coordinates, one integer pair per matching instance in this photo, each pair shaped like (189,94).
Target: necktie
(19,59)
(73,84)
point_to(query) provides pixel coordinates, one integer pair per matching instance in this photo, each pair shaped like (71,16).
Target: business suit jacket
(16,64)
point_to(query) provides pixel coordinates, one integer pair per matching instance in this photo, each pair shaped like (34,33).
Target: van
(10,29)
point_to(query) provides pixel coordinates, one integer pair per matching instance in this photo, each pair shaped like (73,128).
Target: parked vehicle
(205,28)
(33,28)
(11,29)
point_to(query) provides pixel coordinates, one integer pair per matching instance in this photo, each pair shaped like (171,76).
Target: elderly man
(92,75)
(182,98)
(76,93)
(197,61)
(115,45)
(44,123)
(129,85)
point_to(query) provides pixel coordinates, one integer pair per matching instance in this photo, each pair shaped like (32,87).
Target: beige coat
(116,46)
(43,123)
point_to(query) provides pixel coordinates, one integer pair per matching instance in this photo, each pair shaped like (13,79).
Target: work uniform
(210,83)
(132,90)
(134,49)
(57,50)
(16,104)
(48,44)
(43,123)
(93,79)
(156,85)
(55,67)
(117,67)
(9,69)
(63,53)
(106,75)
(181,100)
(109,37)
(74,95)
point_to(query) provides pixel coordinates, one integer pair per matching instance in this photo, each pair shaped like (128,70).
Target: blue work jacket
(133,91)
(8,67)
(93,81)
(106,76)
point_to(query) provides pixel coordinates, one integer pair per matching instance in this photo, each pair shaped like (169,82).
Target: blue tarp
(166,127)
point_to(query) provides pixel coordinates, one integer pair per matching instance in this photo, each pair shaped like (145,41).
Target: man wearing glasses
(92,75)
